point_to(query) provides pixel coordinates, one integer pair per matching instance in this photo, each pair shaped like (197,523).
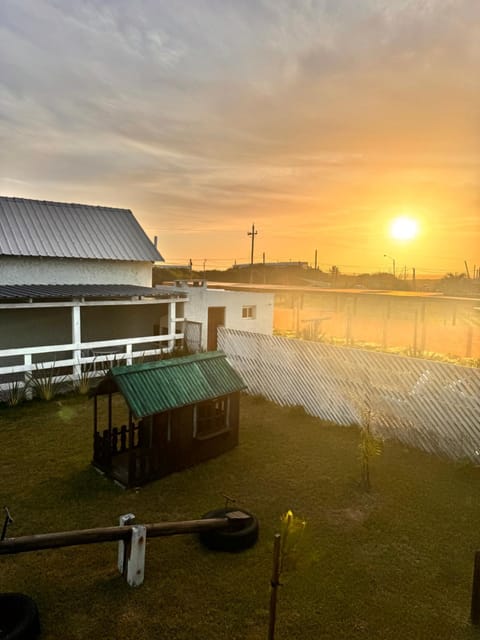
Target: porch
(83,329)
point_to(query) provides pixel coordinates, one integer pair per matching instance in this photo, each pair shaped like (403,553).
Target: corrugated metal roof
(158,386)
(69,291)
(68,230)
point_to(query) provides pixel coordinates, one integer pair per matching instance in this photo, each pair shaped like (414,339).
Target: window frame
(249,312)
(211,418)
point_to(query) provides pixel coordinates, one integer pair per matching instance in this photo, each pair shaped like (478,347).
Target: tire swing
(238,539)
(19,618)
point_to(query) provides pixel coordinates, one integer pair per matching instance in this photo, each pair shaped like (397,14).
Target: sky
(319,121)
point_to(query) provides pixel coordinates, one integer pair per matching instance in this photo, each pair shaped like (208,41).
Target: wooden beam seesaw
(131,538)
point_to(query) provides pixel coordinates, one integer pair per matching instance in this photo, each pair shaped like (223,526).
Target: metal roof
(69,291)
(158,386)
(68,230)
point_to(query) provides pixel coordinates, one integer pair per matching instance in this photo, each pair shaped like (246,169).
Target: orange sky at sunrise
(318,121)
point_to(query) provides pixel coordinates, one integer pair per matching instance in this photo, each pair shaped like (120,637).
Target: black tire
(19,618)
(228,540)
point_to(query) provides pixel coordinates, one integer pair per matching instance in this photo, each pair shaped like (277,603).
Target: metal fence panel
(433,406)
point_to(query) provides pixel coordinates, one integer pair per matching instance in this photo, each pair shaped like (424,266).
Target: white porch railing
(99,353)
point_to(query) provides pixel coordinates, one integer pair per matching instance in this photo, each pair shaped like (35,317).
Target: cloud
(222,111)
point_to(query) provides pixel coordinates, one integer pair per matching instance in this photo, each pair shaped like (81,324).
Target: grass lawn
(393,564)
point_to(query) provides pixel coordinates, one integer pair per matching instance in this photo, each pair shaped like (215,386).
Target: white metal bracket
(136,557)
(124,520)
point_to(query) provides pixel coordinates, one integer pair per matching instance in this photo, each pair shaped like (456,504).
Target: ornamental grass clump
(46,383)
(83,383)
(15,394)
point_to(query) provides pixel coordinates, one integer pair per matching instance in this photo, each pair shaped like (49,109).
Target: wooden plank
(107,534)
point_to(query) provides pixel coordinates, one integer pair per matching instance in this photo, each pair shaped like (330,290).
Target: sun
(404,228)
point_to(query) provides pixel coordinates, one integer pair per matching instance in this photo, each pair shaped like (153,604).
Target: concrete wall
(21,270)
(201,298)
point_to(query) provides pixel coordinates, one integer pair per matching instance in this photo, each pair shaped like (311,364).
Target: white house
(76,289)
(209,308)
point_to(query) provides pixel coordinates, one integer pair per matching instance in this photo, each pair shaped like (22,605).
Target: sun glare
(403,228)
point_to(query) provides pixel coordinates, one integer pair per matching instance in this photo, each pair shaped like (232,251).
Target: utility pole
(315,259)
(252,233)
(385,255)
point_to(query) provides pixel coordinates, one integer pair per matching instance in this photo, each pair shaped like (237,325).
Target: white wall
(200,298)
(24,270)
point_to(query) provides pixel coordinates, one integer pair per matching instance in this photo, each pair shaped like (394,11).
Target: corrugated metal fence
(430,405)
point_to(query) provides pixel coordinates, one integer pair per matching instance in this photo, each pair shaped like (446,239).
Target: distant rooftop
(40,228)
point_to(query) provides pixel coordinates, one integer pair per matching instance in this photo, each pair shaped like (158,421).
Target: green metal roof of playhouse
(158,386)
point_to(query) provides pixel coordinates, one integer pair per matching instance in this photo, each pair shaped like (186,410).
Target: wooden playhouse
(179,412)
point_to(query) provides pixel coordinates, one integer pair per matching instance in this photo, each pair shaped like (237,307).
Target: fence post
(468,350)
(274,584)
(415,332)
(76,341)
(386,316)
(27,361)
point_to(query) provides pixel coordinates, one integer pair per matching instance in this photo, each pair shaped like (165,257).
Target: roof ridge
(167,362)
(64,204)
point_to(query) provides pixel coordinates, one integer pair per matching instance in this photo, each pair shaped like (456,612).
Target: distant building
(207,309)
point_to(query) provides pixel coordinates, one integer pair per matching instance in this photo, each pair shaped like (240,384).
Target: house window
(211,418)
(249,312)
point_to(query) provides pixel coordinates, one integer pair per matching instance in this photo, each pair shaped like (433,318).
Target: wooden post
(415,333)
(468,350)
(132,453)
(59,539)
(110,415)
(348,324)
(275,583)
(76,341)
(297,316)
(95,415)
(27,361)
(385,330)
(475,606)
(423,339)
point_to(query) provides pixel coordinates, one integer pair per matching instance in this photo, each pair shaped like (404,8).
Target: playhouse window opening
(211,418)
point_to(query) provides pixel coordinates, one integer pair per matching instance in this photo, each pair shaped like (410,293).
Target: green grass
(394,563)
